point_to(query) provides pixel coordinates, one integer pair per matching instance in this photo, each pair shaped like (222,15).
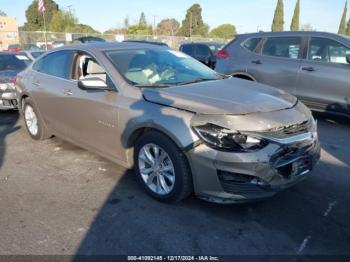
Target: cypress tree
(294,26)
(278,19)
(348,29)
(342,26)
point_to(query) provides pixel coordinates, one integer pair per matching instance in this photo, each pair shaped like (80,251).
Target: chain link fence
(56,39)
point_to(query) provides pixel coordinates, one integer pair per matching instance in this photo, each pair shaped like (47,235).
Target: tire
(29,113)
(182,185)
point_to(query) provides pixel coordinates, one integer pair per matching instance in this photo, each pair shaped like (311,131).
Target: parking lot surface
(56,198)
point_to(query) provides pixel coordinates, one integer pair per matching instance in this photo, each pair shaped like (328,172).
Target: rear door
(278,62)
(324,82)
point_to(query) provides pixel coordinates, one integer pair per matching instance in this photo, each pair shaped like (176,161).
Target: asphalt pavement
(56,198)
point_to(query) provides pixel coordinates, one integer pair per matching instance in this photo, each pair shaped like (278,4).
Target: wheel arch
(130,139)
(244,75)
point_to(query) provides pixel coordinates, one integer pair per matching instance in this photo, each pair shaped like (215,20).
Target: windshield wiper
(152,85)
(196,80)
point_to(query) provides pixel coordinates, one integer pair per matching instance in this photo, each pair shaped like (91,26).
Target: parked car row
(184,127)
(10,65)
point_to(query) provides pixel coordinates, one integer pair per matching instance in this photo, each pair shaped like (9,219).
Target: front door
(93,114)
(324,82)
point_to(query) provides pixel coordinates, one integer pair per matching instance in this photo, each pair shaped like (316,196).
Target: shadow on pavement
(8,120)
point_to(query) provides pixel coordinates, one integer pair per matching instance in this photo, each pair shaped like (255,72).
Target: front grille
(283,160)
(241,184)
(288,131)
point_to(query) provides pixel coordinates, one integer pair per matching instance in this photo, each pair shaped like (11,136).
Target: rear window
(251,44)
(11,63)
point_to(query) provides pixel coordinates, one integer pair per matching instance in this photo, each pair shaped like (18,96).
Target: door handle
(68,92)
(309,69)
(257,62)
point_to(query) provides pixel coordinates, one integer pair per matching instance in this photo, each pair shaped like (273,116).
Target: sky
(246,15)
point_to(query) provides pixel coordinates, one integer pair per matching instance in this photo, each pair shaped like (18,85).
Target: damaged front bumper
(225,177)
(288,158)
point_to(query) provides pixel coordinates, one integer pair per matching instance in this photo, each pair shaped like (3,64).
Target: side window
(187,49)
(56,64)
(202,51)
(327,50)
(287,47)
(251,44)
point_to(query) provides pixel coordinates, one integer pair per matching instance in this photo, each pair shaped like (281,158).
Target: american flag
(41,6)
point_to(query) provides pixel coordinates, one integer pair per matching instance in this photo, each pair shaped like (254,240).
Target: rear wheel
(33,122)
(162,168)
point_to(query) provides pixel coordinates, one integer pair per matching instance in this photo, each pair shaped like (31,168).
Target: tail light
(222,54)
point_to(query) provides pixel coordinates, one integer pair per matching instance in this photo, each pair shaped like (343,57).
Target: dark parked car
(313,66)
(204,52)
(10,65)
(88,39)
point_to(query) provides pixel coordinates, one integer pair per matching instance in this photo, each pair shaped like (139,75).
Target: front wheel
(162,168)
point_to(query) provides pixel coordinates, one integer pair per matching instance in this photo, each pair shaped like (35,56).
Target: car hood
(229,96)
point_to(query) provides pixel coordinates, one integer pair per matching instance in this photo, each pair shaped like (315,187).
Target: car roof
(104,46)
(290,33)
(203,43)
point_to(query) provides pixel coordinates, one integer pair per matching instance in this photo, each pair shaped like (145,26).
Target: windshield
(159,67)
(12,63)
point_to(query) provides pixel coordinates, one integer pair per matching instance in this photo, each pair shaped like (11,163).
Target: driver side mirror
(93,83)
(348,58)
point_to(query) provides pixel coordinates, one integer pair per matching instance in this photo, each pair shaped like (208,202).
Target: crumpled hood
(229,96)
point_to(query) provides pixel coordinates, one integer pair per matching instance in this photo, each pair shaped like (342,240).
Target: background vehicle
(313,66)
(146,42)
(204,52)
(88,39)
(58,43)
(10,65)
(183,126)
(13,48)
(31,54)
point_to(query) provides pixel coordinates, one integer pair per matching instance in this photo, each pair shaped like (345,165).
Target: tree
(137,30)
(348,28)
(342,25)
(62,21)
(168,27)
(142,21)
(81,28)
(193,23)
(2,13)
(278,19)
(225,31)
(294,26)
(35,19)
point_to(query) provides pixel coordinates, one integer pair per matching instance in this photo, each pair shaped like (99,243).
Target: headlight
(227,140)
